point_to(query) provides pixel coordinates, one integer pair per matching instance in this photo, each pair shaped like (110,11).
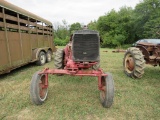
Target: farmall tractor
(136,57)
(80,57)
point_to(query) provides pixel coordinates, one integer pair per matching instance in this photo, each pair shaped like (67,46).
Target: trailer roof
(19,10)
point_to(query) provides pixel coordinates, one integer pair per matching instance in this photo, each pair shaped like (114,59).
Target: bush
(59,42)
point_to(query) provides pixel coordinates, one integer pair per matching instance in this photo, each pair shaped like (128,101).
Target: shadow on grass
(17,71)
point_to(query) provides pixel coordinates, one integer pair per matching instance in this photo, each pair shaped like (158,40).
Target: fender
(35,52)
(144,51)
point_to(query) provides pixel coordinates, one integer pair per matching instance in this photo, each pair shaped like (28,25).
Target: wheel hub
(42,88)
(130,63)
(42,59)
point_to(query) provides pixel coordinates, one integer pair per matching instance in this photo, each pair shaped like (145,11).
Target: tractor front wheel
(107,94)
(38,91)
(133,63)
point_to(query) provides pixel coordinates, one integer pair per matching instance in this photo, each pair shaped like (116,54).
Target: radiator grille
(85,47)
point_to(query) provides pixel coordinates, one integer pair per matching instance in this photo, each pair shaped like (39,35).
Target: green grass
(75,98)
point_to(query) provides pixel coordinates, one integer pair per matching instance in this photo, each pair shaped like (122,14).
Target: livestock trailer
(24,38)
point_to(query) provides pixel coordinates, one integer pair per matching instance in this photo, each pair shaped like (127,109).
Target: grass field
(75,98)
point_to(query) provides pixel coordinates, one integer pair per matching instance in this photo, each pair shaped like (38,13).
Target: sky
(72,11)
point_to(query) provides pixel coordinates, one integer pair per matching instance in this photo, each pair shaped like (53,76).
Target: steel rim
(103,91)
(42,89)
(42,58)
(129,63)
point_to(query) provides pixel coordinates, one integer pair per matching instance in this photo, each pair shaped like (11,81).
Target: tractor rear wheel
(133,63)
(107,95)
(58,59)
(38,91)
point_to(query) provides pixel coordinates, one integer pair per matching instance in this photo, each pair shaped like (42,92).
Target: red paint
(75,68)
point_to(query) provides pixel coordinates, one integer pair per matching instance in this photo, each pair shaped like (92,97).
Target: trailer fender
(35,52)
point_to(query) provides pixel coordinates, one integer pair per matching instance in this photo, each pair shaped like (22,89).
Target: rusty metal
(151,53)
(130,63)
(23,36)
(136,57)
(76,72)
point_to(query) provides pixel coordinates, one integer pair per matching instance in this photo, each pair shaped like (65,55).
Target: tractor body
(151,53)
(80,57)
(136,57)
(83,50)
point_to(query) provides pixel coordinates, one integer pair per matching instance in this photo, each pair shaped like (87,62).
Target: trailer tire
(49,56)
(38,94)
(107,96)
(134,63)
(58,59)
(41,58)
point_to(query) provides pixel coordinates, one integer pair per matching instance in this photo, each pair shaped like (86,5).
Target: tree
(75,26)
(92,25)
(147,14)
(61,34)
(115,27)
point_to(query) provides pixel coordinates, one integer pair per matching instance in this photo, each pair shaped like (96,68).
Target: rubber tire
(34,90)
(139,63)
(48,56)
(58,59)
(39,61)
(108,99)
(96,66)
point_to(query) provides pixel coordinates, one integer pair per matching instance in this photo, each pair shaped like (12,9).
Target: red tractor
(80,57)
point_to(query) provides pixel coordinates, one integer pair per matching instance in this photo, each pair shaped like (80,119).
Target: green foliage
(118,28)
(118,39)
(150,29)
(75,26)
(59,42)
(63,32)
(148,18)
(127,25)
(92,25)
(115,27)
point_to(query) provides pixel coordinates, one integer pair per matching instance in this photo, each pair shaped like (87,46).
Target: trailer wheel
(38,91)
(58,59)
(133,63)
(41,58)
(107,96)
(49,56)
